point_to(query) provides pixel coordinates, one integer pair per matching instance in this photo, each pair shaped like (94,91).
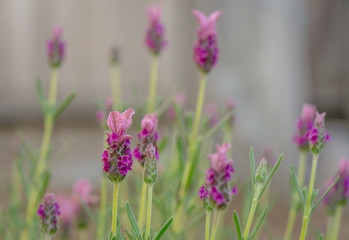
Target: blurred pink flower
(120,122)
(150,122)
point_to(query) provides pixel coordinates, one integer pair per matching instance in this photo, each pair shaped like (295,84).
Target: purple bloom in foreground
(339,194)
(206,47)
(154,38)
(55,47)
(146,136)
(216,193)
(48,213)
(304,124)
(117,158)
(318,135)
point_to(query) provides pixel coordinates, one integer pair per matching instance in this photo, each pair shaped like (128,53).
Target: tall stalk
(218,215)
(207,229)
(306,217)
(153,83)
(116,86)
(150,196)
(192,149)
(45,146)
(115,207)
(142,204)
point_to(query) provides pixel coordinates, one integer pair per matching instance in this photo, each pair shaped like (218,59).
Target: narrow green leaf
(323,195)
(196,161)
(273,170)
(133,221)
(253,169)
(180,122)
(238,225)
(41,96)
(164,228)
(259,223)
(63,105)
(46,179)
(217,126)
(129,234)
(296,185)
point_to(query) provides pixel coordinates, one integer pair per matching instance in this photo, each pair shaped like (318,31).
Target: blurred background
(274,55)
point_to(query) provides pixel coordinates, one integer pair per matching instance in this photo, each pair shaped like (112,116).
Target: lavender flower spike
(48,213)
(150,166)
(117,158)
(304,124)
(205,47)
(56,48)
(154,38)
(216,193)
(146,136)
(318,135)
(339,194)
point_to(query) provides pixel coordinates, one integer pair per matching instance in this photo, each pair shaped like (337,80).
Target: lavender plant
(165,188)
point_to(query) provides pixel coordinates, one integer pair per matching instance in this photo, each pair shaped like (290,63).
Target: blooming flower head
(318,135)
(56,47)
(304,124)
(205,47)
(339,194)
(48,213)
(117,158)
(216,193)
(82,194)
(154,38)
(147,136)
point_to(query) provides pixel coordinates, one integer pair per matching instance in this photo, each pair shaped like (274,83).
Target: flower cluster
(117,158)
(55,48)
(205,47)
(216,192)
(155,33)
(339,194)
(146,136)
(318,135)
(48,213)
(304,124)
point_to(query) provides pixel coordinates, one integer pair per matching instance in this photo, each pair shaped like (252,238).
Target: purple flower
(318,135)
(339,194)
(146,136)
(56,47)
(48,213)
(155,33)
(304,124)
(217,190)
(117,158)
(205,47)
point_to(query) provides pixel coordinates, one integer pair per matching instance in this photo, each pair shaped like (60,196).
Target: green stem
(290,223)
(48,236)
(152,87)
(193,136)
(102,208)
(336,223)
(142,204)
(306,217)
(45,146)
(150,196)
(293,210)
(115,207)
(116,86)
(192,149)
(250,217)
(207,233)
(217,220)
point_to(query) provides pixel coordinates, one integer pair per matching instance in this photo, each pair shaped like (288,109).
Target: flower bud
(48,213)
(150,166)
(261,173)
